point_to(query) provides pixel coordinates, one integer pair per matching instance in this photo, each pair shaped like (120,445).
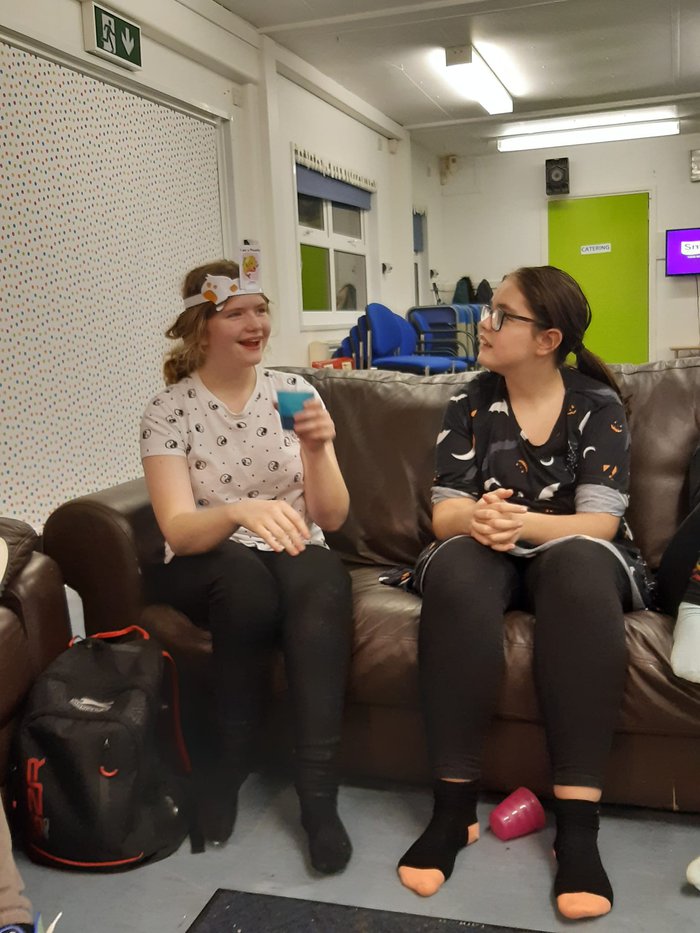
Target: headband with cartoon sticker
(219,288)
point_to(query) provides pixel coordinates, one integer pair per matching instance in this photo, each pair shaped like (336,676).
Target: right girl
(529,502)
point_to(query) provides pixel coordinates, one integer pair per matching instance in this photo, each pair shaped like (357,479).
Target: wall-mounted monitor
(683,251)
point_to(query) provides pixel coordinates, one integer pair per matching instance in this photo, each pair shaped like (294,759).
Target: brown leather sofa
(387,424)
(34,624)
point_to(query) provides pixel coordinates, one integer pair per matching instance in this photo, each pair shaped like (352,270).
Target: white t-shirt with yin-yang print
(231,455)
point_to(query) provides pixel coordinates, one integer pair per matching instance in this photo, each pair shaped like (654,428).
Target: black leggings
(253,600)
(578,591)
(680,557)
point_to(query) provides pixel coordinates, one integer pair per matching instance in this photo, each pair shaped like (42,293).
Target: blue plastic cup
(288,404)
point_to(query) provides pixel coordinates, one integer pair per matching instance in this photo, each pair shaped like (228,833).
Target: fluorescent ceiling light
(469,74)
(593,134)
(575,122)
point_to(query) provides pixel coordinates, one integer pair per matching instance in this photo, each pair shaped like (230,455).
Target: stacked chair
(442,340)
(393,344)
(468,316)
(448,329)
(358,341)
(345,349)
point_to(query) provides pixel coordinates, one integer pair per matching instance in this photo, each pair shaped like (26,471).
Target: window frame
(332,318)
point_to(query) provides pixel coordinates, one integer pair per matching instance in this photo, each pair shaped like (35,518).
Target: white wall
(427,199)
(495,217)
(489,217)
(200,58)
(197,52)
(191,56)
(315,125)
(110,197)
(194,53)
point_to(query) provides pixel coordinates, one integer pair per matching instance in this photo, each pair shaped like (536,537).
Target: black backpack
(101,766)
(464,292)
(484,293)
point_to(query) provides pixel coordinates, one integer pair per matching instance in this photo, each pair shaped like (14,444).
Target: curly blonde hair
(190,326)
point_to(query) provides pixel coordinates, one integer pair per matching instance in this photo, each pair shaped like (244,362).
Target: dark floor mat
(243,912)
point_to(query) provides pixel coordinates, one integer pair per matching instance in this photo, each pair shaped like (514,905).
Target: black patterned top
(582,467)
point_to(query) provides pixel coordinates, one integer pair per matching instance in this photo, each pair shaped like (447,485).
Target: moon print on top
(583,465)
(230,455)
(500,406)
(554,468)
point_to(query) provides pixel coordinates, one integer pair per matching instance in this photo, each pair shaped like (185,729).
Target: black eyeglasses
(498,315)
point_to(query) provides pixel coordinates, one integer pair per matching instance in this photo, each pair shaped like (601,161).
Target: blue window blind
(330,189)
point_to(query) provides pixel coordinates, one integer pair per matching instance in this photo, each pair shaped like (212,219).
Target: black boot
(317,786)
(216,801)
(217,781)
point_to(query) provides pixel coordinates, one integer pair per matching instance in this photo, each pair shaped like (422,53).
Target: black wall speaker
(556,173)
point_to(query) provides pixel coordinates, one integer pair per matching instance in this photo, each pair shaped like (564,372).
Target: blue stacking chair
(393,345)
(363,337)
(469,316)
(440,332)
(354,345)
(354,337)
(344,349)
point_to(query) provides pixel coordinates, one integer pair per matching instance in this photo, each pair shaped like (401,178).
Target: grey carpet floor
(502,884)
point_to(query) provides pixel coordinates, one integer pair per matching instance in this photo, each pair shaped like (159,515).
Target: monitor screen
(683,251)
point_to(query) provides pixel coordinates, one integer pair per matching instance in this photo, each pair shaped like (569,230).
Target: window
(332,234)
(333,256)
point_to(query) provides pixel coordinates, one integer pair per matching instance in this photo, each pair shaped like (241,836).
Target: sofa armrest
(34,629)
(100,542)
(38,599)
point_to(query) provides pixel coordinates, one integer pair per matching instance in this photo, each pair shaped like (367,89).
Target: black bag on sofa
(101,765)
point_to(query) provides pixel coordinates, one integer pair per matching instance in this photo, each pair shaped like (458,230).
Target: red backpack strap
(118,634)
(177,726)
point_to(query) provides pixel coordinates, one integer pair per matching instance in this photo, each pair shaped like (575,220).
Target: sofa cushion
(664,404)
(385,672)
(656,701)
(388,422)
(384,663)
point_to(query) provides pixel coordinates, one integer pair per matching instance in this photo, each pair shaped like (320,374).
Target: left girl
(242,505)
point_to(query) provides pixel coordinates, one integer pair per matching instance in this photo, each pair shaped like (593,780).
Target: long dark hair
(557,300)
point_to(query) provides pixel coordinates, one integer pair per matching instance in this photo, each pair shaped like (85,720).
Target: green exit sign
(111,36)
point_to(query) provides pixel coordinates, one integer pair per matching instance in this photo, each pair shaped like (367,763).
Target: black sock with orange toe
(454,811)
(581,886)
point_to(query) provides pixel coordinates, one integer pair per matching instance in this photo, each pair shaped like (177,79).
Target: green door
(604,243)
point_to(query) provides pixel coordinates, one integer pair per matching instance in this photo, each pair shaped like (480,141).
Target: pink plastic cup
(519,814)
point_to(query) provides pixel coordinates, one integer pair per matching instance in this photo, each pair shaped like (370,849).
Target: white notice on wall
(596,248)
